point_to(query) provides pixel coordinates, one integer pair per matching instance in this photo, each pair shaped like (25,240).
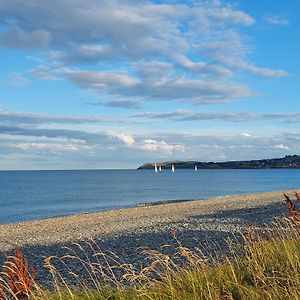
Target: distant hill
(289,161)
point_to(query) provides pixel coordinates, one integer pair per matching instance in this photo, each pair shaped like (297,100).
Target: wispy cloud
(16,79)
(188,115)
(75,146)
(277,19)
(31,136)
(9,118)
(141,55)
(134,43)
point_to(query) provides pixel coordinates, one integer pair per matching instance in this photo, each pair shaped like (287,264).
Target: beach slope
(224,213)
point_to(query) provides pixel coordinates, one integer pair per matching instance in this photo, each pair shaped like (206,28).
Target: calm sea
(31,195)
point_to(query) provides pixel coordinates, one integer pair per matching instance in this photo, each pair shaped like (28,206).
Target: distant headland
(289,161)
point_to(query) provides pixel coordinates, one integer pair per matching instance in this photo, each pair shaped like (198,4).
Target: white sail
(196,168)
(173,168)
(159,168)
(155,168)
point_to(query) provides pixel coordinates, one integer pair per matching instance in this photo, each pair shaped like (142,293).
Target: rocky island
(289,161)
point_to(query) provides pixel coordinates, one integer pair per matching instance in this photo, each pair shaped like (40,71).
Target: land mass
(289,161)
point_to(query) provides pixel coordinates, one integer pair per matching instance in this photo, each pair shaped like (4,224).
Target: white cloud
(93,147)
(227,14)
(161,146)
(281,146)
(46,136)
(131,53)
(134,43)
(181,115)
(182,89)
(277,19)
(265,72)
(52,147)
(246,135)
(229,49)
(18,80)
(21,119)
(47,72)
(201,67)
(126,138)
(101,80)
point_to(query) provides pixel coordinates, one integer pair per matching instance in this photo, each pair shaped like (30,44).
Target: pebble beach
(123,232)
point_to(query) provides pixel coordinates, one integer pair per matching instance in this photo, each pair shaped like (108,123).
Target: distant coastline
(289,161)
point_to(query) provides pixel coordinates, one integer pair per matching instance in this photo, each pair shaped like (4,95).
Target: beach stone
(202,225)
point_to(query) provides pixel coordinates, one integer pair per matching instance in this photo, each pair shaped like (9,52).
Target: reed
(17,279)
(291,207)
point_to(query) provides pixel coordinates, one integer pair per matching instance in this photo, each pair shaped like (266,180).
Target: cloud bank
(141,51)
(38,140)
(131,54)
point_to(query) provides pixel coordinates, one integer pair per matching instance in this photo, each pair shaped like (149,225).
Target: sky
(89,84)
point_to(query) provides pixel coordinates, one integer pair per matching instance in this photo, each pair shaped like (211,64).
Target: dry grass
(17,279)
(263,266)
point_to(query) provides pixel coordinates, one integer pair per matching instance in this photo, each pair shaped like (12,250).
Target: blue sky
(114,84)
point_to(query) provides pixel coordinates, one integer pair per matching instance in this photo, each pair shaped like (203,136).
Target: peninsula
(289,161)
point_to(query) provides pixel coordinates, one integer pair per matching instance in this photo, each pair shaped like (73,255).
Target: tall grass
(264,265)
(17,279)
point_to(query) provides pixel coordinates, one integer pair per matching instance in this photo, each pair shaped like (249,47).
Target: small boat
(155,168)
(196,168)
(173,168)
(159,168)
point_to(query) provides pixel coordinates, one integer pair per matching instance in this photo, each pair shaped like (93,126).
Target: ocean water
(31,195)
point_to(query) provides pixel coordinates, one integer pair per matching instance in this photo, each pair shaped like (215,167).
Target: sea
(34,195)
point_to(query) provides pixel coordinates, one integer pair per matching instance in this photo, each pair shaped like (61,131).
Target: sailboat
(173,168)
(155,168)
(159,168)
(196,168)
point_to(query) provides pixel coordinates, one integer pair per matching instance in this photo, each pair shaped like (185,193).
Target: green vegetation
(289,161)
(267,270)
(262,265)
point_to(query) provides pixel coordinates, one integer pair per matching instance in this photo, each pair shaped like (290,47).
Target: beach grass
(268,268)
(261,265)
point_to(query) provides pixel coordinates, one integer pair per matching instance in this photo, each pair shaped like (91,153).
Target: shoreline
(125,221)
(200,225)
(145,204)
